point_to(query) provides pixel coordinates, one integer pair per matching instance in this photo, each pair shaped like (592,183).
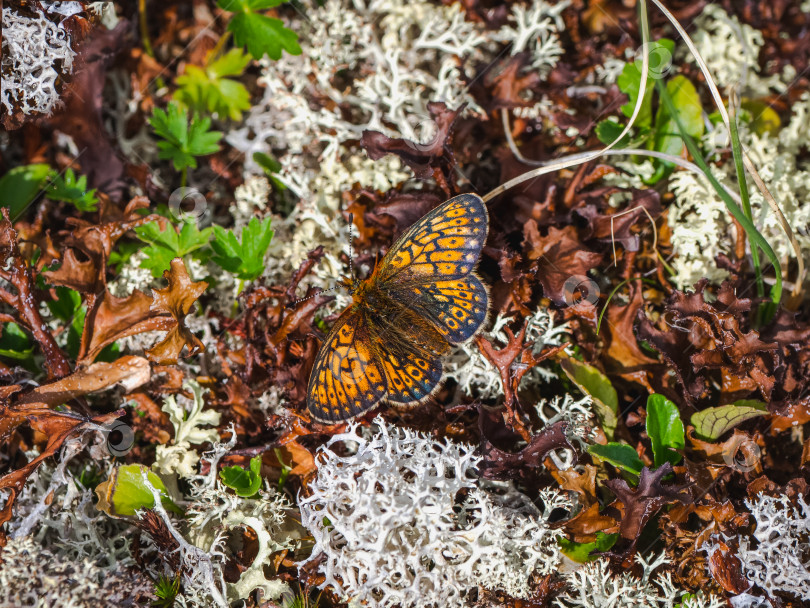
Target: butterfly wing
(444,243)
(411,376)
(347,379)
(431,267)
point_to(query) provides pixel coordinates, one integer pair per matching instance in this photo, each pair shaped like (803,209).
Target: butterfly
(422,298)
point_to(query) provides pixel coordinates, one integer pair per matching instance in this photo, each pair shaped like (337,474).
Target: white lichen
(188,418)
(35,576)
(35,53)
(776,559)
(402,521)
(595,586)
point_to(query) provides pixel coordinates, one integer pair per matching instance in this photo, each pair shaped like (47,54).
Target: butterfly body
(421,299)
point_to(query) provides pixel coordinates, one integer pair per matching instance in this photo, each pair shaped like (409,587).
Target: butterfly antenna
(351,268)
(351,251)
(323,291)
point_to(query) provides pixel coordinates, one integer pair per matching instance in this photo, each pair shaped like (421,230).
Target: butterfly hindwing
(411,377)
(347,379)
(444,243)
(456,307)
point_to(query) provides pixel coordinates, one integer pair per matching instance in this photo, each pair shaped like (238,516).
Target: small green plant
(622,456)
(208,90)
(15,345)
(245,482)
(712,423)
(243,259)
(259,33)
(657,130)
(169,243)
(595,384)
(70,189)
(665,430)
(584,552)
(166,590)
(21,185)
(183,139)
(126,492)
(270,166)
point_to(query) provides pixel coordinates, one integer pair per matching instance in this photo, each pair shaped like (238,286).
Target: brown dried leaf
(176,299)
(726,569)
(130,371)
(433,159)
(642,503)
(558,257)
(497,464)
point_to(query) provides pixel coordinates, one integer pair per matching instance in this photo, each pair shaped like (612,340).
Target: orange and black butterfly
(423,297)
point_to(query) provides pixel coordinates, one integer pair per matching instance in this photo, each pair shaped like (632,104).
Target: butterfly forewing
(347,379)
(444,243)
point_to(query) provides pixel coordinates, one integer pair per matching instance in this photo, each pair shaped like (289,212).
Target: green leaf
(121,254)
(629,82)
(20,186)
(713,423)
(260,33)
(166,590)
(125,492)
(246,259)
(764,118)
(608,130)
(594,383)
(581,552)
(665,429)
(270,166)
(620,455)
(165,245)
(67,302)
(245,482)
(209,91)
(70,189)
(667,138)
(14,343)
(183,140)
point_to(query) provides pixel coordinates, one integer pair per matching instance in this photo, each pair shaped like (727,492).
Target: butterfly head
(351,284)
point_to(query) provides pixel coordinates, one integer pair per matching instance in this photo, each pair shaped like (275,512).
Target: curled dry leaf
(176,299)
(642,503)
(557,257)
(726,569)
(24,302)
(513,362)
(432,159)
(497,464)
